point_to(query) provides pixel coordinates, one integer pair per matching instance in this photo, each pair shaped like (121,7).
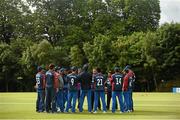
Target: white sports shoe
(95,112)
(104,112)
(58,110)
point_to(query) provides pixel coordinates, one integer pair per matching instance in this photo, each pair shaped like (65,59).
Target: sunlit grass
(147,106)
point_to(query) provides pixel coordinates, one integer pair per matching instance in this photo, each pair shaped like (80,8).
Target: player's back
(73,81)
(49,79)
(85,80)
(99,80)
(56,80)
(131,79)
(65,80)
(117,81)
(108,84)
(39,81)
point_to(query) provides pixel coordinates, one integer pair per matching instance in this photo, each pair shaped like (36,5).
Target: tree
(99,53)
(169,46)
(12,22)
(8,63)
(141,15)
(151,54)
(76,56)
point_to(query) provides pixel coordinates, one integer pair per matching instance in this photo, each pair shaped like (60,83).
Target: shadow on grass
(137,112)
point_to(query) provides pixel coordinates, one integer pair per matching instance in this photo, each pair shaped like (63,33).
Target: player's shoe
(58,109)
(122,112)
(95,112)
(90,112)
(104,112)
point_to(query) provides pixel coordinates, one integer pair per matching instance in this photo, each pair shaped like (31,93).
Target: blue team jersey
(117,79)
(49,79)
(72,82)
(109,86)
(65,80)
(39,81)
(131,81)
(99,81)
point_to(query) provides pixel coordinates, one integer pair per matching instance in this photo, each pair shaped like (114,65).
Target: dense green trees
(73,32)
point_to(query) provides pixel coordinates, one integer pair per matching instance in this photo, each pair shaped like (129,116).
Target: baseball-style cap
(85,67)
(62,70)
(73,68)
(39,68)
(116,68)
(51,66)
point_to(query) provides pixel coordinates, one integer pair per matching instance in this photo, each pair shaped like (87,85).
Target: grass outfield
(154,106)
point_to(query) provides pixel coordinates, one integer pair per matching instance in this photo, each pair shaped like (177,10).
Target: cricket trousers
(82,96)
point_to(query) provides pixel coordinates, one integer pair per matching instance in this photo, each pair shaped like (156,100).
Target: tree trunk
(155,81)
(7,86)
(7,82)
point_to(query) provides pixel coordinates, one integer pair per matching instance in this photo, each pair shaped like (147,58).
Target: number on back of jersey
(72,81)
(99,82)
(118,81)
(131,80)
(38,80)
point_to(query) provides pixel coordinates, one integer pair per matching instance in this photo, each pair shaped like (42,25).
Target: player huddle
(58,90)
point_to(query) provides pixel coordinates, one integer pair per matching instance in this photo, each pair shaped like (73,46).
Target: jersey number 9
(72,81)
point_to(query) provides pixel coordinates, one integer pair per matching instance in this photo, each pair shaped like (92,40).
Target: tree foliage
(104,33)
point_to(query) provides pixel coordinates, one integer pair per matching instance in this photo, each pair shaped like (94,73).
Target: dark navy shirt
(117,81)
(72,82)
(99,80)
(85,80)
(49,79)
(40,81)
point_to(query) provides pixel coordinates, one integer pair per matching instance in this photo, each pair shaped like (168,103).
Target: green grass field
(154,106)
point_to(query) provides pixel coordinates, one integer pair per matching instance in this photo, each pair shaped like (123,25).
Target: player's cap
(62,70)
(85,67)
(110,71)
(39,68)
(57,68)
(65,69)
(73,68)
(116,68)
(51,66)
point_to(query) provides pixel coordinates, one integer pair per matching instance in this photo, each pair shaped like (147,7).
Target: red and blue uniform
(40,82)
(65,89)
(59,96)
(99,84)
(117,82)
(73,81)
(86,81)
(50,91)
(109,92)
(128,86)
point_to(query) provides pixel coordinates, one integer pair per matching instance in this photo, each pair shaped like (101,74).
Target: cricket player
(98,82)
(86,81)
(128,86)
(40,86)
(65,88)
(117,82)
(92,93)
(73,81)
(50,90)
(59,97)
(109,90)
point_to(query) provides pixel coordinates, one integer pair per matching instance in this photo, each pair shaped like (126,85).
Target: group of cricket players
(59,89)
